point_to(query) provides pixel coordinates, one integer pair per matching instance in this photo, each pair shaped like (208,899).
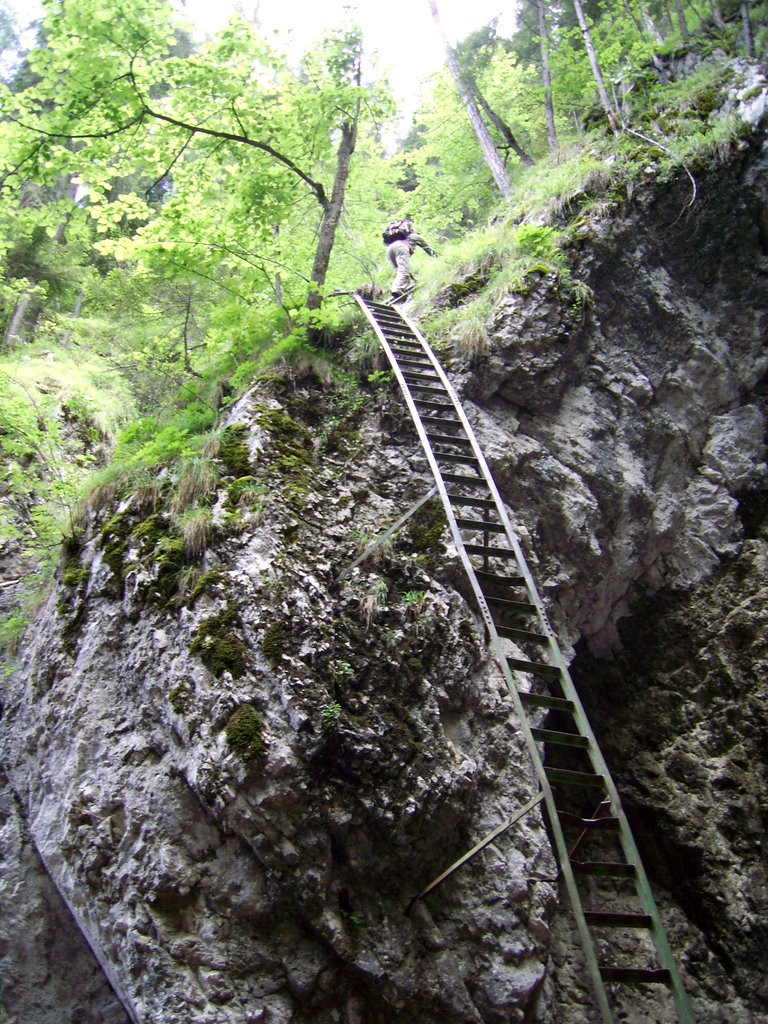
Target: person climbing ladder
(401,240)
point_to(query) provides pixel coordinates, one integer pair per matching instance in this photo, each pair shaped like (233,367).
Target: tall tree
(749,41)
(593,63)
(487,145)
(233,109)
(682,23)
(546,78)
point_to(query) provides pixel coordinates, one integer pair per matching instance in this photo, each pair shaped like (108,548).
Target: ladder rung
(603,868)
(605,919)
(636,975)
(432,404)
(574,778)
(463,460)
(486,552)
(412,362)
(564,739)
(607,824)
(519,607)
(511,633)
(536,668)
(493,579)
(469,501)
(457,478)
(426,387)
(414,378)
(480,525)
(447,439)
(439,421)
(544,700)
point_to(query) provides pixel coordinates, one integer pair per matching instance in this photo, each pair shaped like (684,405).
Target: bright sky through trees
(399,34)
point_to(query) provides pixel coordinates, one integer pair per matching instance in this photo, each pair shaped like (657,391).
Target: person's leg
(400,258)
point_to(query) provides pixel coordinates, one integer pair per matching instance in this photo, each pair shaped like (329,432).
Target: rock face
(238,781)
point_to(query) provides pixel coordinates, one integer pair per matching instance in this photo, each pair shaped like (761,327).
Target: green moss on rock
(233,450)
(275,640)
(170,559)
(150,532)
(217,644)
(74,574)
(426,528)
(181,697)
(245,732)
(208,579)
(245,490)
(113,541)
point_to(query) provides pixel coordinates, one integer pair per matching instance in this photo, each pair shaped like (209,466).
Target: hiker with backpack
(401,240)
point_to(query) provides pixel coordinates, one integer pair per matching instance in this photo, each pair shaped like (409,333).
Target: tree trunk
(597,73)
(749,41)
(75,314)
(14,324)
(501,125)
(681,20)
(333,209)
(278,278)
(546,78)
(717,14)
(651,27)
(490,153)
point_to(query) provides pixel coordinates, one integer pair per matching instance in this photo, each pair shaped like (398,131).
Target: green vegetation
(275,640)
(158,256)
(330,715)
(218,644)
(245,732)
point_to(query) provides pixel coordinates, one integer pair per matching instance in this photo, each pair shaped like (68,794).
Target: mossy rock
(208,579)
(113,541)
(74,574)
(233,451)
(150,532)
(707,101)
(245,732)
(426,528)
(170,559)
(217,645)
(246,490)
(290,442)
(181,697)
(275,640)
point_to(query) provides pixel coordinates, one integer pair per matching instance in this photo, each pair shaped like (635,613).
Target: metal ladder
(598,860)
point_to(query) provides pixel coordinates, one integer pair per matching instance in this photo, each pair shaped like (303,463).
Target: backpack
(399,229)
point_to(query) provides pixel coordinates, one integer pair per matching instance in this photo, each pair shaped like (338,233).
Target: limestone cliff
(224,790)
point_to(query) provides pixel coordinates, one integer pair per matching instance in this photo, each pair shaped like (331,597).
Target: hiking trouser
(399,254)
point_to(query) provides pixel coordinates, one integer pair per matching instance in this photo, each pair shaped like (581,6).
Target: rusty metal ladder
(619,927)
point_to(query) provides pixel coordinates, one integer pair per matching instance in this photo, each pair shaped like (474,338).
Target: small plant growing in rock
(329,716)
(342,672)
(197,531)
(196,482)
(374,601)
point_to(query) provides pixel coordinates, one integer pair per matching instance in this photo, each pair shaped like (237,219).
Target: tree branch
(315,186)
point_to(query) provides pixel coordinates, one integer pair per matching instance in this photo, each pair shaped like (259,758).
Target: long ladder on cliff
(596,853)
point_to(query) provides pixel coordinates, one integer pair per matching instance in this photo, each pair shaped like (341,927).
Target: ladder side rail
(628,844)
(585,937)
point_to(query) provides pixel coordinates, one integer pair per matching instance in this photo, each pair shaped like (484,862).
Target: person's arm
(415,239)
